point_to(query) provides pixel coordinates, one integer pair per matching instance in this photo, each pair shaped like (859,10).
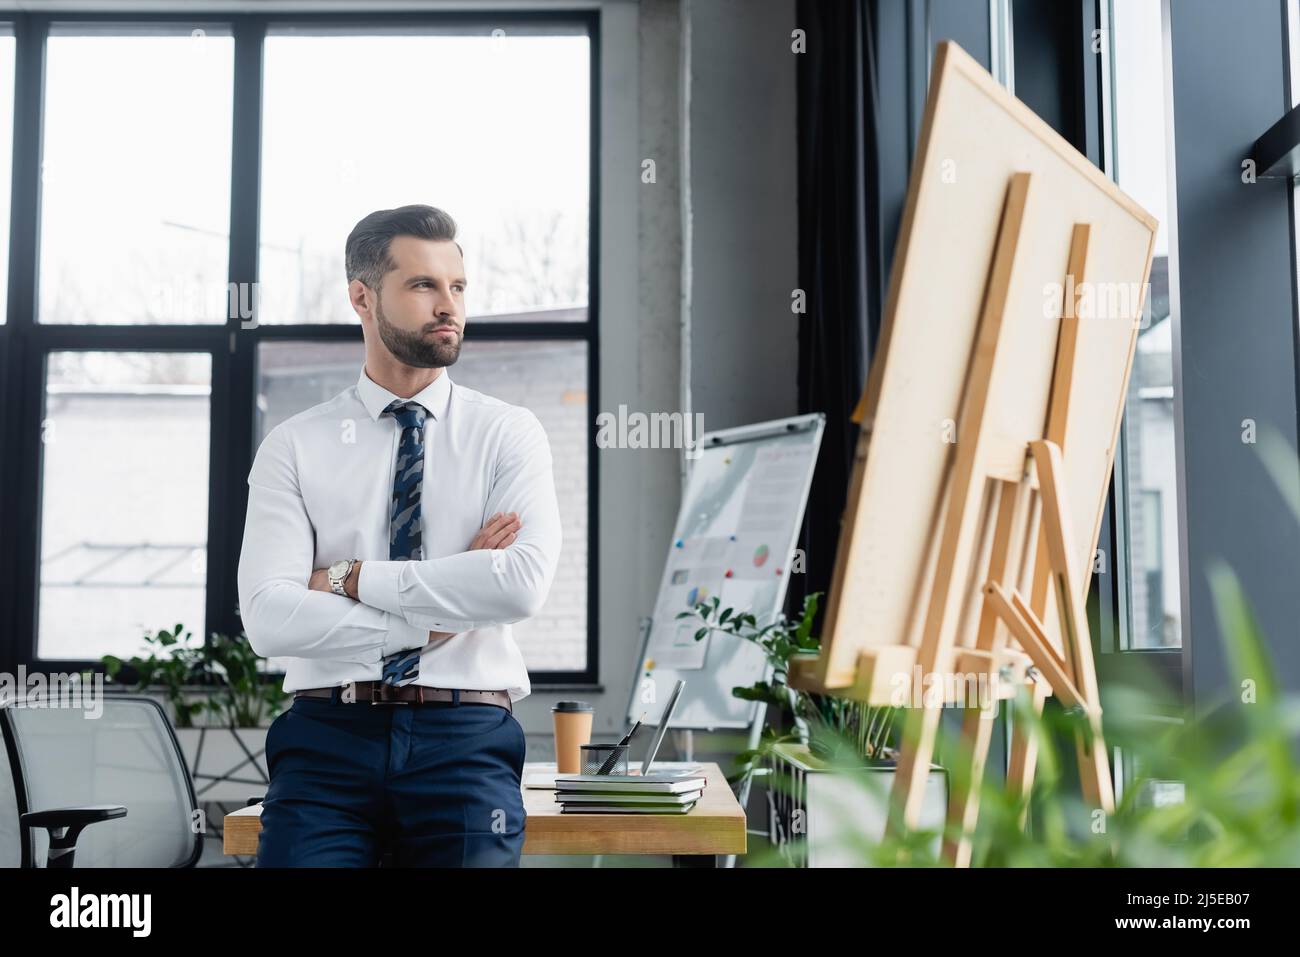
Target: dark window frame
(25,343)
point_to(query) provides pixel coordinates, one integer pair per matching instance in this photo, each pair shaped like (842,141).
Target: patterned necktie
(404,540)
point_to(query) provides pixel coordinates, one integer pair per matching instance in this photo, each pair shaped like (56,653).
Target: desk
(716,825)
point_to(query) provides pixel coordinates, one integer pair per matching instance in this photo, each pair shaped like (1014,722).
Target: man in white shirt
(393,535)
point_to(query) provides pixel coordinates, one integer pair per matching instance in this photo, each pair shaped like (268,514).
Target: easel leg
(977,723)
(920,729)
(1024,752)
(964,802)
(1094,768)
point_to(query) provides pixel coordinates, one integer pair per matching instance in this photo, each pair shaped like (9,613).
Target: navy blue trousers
(431,785)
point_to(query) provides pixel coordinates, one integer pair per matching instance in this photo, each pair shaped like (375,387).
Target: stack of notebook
(628,793)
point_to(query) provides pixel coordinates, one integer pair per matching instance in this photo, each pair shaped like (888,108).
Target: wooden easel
(1068,670)
(1004,533)
(973,559)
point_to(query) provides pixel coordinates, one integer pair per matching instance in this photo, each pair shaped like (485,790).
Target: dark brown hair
(366,253)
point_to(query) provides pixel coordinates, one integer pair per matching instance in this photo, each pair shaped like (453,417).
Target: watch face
(338,568)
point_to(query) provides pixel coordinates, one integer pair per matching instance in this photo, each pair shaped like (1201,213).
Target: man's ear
(362,298)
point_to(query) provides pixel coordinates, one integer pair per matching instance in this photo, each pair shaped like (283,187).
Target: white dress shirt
(320,490)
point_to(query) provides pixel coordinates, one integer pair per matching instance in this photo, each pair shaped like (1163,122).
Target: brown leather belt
(376,692)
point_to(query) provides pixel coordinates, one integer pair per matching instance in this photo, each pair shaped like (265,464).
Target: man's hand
(499,531)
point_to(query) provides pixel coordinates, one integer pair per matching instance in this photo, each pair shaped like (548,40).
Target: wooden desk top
(716,825)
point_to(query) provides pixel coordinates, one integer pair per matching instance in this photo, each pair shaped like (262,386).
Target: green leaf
(807,616)
(1244,646)
(1280,462)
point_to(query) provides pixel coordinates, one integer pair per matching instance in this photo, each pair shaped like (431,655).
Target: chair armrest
(255,800)
(65,825)
(73,816)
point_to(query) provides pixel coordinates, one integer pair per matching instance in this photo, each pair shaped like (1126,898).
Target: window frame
(25,343)
(1118,659)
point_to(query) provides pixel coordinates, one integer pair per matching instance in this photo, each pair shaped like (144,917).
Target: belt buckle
(388,694)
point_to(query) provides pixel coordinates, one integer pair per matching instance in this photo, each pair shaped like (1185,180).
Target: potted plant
(171,665)
(816,751)
(221,706)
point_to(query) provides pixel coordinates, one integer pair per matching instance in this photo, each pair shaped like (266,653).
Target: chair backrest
(124,753)
(11,849)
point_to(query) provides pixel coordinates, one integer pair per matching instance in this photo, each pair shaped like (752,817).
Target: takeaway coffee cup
(572,731)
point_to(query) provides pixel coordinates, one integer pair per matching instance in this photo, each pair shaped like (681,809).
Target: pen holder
(604,759)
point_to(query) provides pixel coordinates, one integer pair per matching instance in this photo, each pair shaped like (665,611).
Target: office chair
(119,778)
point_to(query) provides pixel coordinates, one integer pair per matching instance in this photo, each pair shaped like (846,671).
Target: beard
(412,348)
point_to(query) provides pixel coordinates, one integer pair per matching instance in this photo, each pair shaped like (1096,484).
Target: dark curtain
(838,260)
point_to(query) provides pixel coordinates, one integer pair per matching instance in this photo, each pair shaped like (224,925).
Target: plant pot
(819,816)
(226,764)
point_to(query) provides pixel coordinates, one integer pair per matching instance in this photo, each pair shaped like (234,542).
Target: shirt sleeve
(281,616)
(475,589)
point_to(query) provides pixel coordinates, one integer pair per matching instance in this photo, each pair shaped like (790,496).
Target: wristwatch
(338,574)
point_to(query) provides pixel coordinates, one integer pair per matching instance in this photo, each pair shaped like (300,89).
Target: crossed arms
(503,576)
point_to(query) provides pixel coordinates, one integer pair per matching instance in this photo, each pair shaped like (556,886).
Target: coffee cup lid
(571,706)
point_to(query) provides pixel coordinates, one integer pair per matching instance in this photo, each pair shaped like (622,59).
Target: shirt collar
(435,397)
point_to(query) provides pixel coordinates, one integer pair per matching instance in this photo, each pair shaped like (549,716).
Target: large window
(133,221)
(1147,597)
(124,505)
(1146,467)
(179,285)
